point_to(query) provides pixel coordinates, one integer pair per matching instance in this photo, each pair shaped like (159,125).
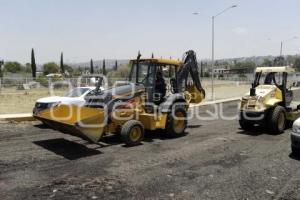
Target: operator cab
(277,76)
(154,75)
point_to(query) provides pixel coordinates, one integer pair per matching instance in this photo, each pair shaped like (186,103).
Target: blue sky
(119,28)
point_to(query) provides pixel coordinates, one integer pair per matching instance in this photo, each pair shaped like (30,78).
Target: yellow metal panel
(196,95)
(153,122)
(292,116)
(82,121)
(278,94)
(161,123)
(272,102)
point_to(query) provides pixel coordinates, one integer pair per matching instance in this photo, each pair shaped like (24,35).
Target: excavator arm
(181,82)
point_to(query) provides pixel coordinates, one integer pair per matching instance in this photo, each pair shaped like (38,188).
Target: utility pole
(213,47)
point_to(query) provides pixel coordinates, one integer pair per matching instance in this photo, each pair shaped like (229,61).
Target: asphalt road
(215,160)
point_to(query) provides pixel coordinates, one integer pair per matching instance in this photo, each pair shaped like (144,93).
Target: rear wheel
(277,120)
(176,122)
(295,150)
(132,132)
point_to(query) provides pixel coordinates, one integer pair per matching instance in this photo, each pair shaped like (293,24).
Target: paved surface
(215,160)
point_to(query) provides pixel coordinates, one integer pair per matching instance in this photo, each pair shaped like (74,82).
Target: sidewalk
(17,117)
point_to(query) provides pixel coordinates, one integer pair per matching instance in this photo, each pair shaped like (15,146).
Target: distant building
(54,76)
(233,73)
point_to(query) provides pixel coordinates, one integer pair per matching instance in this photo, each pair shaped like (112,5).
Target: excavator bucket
(84,122)
(197,96)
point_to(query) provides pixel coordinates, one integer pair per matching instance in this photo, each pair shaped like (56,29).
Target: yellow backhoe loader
(144,102)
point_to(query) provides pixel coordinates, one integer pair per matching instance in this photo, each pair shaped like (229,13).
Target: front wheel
(176,122)
(277,120)
(132,133)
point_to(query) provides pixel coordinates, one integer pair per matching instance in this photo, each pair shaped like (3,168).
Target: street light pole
(282,42)
(213,58)
(213,47)
(213,50)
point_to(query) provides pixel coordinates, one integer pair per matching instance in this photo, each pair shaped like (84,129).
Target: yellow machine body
(268,96)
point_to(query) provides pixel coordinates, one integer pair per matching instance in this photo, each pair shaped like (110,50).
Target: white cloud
(240,31)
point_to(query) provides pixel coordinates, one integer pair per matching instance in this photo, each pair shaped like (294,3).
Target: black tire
(244,123)
(276,120)
(295,150)
(289,124)
(132,133)
(175,126)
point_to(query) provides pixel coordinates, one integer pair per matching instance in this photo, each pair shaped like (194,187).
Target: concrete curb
(17,117)
(215,102)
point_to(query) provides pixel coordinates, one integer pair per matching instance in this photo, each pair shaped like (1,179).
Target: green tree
(103,68)
(12,67)
(1,71)
(121,74)
(92,67)
(62,67)
(297,64)
(69,69)
(267,63)
(33,64)
(116,65)
(245,64)
(77,71)
(279,61)
(50,68)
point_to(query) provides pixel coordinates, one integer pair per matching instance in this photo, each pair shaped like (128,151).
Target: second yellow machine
(145,102)
(270,102)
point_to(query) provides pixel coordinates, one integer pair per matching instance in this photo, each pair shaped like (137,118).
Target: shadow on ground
(68,149)
(78,148)
(194,126)
(257,131)
(41,126)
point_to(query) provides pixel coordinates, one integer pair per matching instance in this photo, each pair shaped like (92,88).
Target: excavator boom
(190,66)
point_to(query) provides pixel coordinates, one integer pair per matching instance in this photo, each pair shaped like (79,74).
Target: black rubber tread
(125,131)
(273,120)
(169,125)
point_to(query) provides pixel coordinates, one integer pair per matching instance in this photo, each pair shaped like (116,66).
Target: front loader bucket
(84,122)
